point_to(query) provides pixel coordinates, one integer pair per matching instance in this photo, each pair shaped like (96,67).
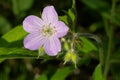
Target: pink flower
(44,31)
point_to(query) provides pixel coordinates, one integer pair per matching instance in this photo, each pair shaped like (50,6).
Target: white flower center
(48,30)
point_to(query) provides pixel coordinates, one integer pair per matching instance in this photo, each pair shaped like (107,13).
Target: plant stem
(73,43)
(110,38)
(75,14)
(107,63)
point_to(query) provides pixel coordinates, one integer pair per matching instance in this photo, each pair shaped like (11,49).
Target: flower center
(48,30)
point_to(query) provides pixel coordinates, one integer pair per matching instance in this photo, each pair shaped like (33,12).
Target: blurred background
(92,17)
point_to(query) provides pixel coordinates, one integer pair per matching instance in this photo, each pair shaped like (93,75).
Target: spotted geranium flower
(44,31)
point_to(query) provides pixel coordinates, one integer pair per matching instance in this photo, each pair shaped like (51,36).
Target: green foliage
(10,43)
(7,53)
(93,27)
(4,75)
(88,46)
(42,77)
(99,17)
(71,15)
(115,19)
(64,19)
(97,74)
(21,77)
(104,9)
(21,5)
(99,5)
(5,26)
(62,73)
(15,34)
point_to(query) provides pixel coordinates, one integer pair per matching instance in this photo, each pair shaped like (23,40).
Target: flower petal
(52,46)
(49,15)
(34,41)
(32,24)
(61,29)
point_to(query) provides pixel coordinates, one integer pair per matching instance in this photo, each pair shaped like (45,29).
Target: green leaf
(21,5)
(71,14)
(64,19)
(11,45)
(62,73)
(97,74)
(1,60)
(3,43)
(41,77)
(88,46)
(15,34)
(7,53)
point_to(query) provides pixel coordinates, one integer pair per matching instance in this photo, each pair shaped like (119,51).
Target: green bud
(40,52)
(66,45)
(67,57)
(71,56)
(74,59)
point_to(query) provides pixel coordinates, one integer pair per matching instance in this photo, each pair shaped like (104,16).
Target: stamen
(48,30)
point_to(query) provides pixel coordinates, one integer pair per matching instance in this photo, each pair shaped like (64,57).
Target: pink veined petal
(61,28)
(32,23)
(49,15)
(52,46)
(34,41)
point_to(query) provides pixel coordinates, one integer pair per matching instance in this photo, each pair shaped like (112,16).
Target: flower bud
(66,45)
(71,56)
(74,59)
(41,52)
(67,57)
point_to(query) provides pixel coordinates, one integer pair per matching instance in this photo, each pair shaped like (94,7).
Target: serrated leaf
(62,73)
(97,74)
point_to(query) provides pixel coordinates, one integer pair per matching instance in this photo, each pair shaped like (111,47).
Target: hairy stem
(73,43)
(110,38)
